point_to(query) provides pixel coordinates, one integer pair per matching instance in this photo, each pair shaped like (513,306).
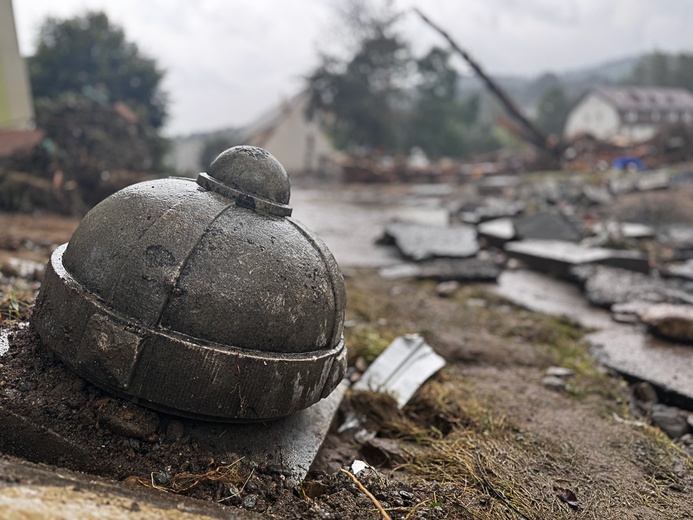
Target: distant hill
(526,91)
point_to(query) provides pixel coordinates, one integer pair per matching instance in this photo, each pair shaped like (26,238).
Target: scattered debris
(420,242)
(447,289)
(606,286)
(567,496)
(548,225)
(401,369)
(554,383)
(497,232)
(560,258)
(670,420)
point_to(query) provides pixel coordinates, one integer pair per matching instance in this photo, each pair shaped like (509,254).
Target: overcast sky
(227,61)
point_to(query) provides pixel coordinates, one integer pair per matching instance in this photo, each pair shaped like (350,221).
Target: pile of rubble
(640,269)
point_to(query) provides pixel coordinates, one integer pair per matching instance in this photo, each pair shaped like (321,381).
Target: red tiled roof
(12,141)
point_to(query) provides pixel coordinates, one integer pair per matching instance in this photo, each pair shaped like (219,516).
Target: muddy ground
(483,439)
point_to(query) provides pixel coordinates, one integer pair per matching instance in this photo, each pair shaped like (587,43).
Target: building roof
(12,141)
(647,98)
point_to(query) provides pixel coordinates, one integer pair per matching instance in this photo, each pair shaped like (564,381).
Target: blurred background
(95,95)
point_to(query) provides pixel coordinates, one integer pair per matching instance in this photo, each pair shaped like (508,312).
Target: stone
(202,299)
(606,286)
(648,181)
(619,230)
(459,270)
(447,289)
(421,242)
(621,185)
(669,420)
(497,232)
(560,372)
(554,383)
(645,393)
(560,257)
(629,311)
(547,225)
(596,195)
(683,270)
(670,321)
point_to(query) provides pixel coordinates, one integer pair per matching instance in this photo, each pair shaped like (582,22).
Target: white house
(628,114)
(295,137)
(16,107)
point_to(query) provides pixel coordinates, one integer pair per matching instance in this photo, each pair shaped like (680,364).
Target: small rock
(669,419)
(249,501)
(670,321)
(645,393)
(314,488)
(554,383)
(142,424)
(175,430)
(447,289)
(560,372)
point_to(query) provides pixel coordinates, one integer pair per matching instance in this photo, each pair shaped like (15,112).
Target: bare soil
(482,439)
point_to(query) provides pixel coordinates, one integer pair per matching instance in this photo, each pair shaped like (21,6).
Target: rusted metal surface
(203,300)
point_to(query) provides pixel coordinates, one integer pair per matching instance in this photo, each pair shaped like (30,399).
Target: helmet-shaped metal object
(200,299)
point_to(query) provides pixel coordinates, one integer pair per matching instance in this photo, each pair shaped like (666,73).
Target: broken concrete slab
(683,270)
(401,369)
(460,270)
(664,364)
(493,209)
(445,269)
(621,185)
(629,312)
(605,286)
(33,491)
(624,348)
(670,321)
(497,232)
(420,242)
(596,195)
(655,180)
(679,237)
(558,257)
(623,230)
(546,225)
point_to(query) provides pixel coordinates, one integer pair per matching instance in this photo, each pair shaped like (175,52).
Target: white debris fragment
(401,369)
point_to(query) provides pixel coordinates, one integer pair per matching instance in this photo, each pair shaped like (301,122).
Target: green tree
(663,70)
(552,110)
(365,93)
(440,122)
(90,55)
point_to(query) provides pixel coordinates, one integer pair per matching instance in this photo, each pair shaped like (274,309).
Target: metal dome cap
(200,299)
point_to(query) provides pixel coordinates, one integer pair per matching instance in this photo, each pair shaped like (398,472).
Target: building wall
(16,107)
(299,144)
(594,116)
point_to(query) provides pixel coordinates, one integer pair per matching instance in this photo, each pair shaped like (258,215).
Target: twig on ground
(367,493)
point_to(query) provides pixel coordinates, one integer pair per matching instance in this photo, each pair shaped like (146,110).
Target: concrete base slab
(287,445)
